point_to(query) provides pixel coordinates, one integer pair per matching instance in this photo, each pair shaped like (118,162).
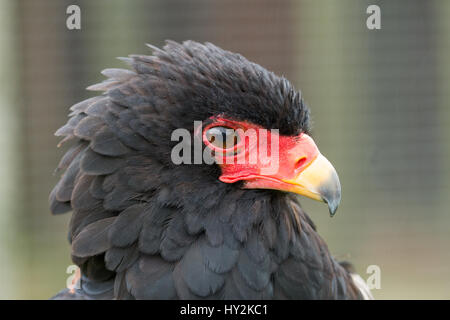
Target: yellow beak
(319,181)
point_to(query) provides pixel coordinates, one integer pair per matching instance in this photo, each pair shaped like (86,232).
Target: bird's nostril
(300,163)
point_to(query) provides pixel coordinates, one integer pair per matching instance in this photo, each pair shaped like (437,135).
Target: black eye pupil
(222,137)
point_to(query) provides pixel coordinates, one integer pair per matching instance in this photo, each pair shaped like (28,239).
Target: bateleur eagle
(144,227)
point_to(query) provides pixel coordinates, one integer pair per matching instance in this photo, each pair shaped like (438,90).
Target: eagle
(145,226)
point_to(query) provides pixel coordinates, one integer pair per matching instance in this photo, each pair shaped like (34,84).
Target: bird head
(254,124)
(128,131)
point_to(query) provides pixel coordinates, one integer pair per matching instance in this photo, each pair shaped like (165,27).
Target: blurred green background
(379,100)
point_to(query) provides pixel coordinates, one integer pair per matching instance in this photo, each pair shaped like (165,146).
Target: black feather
(120,259)
(57,207)
(93,239)
(219,259)
(70,155)
(99,107)
(106,143)
(83,105)
(194,272)
(151,278)
(81,197)
(88,127)
(96,187)
(82,218)
(95,164)
(126,228)
(66,185)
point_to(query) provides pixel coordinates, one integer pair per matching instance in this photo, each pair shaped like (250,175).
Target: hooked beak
(318,181)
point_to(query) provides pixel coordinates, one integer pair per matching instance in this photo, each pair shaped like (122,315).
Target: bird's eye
(222,137)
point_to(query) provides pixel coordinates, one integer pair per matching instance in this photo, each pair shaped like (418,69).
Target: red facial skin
(295,154)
